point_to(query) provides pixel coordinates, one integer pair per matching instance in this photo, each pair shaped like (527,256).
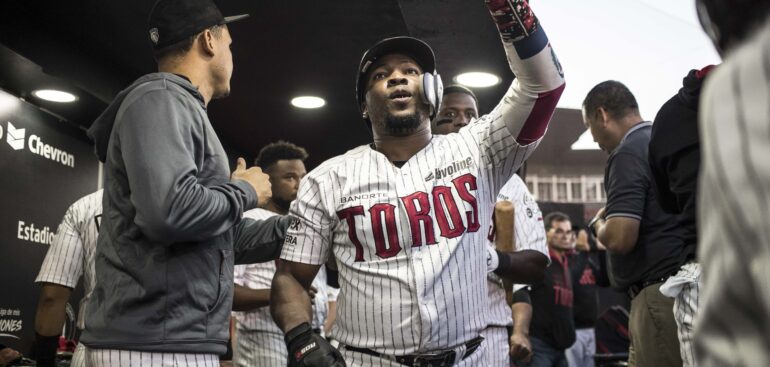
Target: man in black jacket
(674,155)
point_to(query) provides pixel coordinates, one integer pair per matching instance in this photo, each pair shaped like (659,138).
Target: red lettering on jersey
(464,184)
(419,220)
(448,204)
(389,210)
(563,296)
(349,214)
(587,277)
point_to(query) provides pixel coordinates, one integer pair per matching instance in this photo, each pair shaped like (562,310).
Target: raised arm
(509,134)
(529,104)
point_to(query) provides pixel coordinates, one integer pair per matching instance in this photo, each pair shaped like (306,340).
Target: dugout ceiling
(287,48)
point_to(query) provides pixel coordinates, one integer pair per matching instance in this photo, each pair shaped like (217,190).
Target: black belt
(440,359)
(635,289)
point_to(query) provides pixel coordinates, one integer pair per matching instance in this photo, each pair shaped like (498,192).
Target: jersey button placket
(413,256)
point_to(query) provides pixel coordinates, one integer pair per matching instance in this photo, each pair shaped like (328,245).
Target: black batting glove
(308,349)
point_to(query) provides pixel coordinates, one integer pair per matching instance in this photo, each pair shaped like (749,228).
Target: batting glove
(308,349)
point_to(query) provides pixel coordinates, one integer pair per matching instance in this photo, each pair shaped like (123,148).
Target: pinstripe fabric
(125,358)
(260,341)
(684,287)
(733,323)
(72,252)
(498,347)
(424,297)
(260,276)
(259,349)
(409,241)
(79,357)
(529,235)
(686,308)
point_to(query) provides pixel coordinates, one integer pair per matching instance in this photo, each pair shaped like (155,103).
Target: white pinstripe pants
(129,358)
(684,288)
(498,347)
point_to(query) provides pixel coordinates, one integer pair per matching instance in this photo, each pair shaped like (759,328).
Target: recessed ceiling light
(585,142)
(308,102)
(477,79)
(55,95)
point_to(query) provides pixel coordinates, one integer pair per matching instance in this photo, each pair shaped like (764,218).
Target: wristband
(297,331)
(591,227)
(493,260)
(45,349)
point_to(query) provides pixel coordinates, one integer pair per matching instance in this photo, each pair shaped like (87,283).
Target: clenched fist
(258,180)
(521,349)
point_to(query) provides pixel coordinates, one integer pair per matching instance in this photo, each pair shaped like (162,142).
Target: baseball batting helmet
(430,81)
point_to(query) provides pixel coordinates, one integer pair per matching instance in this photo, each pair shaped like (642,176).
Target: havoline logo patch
(455,167)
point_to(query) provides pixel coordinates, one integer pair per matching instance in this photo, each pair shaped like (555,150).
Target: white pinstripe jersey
(734,207)
(409,242)
(529,233)
(260,276)
(72,252)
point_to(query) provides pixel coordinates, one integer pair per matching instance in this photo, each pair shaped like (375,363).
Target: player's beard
(281,203)
(403,125)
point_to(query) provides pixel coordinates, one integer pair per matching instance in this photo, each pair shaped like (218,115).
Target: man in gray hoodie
(172,228)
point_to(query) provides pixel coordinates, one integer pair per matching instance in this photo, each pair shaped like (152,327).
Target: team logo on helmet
(154,36)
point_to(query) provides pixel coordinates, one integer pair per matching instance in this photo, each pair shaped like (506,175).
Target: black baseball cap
(410,46)
(172,21)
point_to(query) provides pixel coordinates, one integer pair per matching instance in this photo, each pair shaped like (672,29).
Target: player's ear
(604,115)
(206,40)
(364,111)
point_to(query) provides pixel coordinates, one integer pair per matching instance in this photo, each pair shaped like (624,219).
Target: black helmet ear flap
(432,91)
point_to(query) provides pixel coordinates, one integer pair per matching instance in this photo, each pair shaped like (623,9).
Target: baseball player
(459,107)
(259,340)
(732,327)
(70,256)
(508,332)
(404,217)
(515,313)
(173,224)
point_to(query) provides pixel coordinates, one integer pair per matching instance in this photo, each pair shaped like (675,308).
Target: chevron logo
(15,137)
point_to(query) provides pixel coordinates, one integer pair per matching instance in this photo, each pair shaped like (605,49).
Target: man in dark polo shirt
(552,329)
(645,244)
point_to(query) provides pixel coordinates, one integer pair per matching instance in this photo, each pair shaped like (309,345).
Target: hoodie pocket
(225,277)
